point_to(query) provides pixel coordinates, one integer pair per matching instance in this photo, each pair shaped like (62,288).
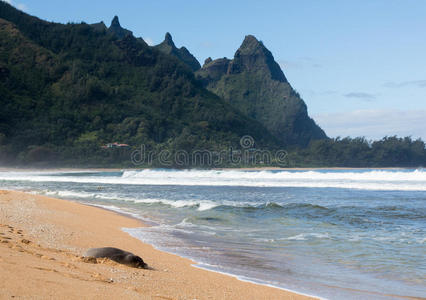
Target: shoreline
(78,169)
(59,230)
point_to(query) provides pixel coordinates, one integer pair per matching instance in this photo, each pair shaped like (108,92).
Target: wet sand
(42,240)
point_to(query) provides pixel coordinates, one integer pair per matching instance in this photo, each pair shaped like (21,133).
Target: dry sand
(42,240)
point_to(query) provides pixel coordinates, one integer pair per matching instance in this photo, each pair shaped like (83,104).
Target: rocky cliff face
(168,47)
(255,84)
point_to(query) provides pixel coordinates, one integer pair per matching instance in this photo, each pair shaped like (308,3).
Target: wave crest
(393,180)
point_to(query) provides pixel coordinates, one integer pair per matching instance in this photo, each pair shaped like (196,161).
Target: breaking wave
(398,180)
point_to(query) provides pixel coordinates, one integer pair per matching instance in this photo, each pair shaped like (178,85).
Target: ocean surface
(337,234)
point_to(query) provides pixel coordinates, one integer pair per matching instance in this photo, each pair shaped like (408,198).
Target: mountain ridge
(255,84)
(68,89)
(183,54)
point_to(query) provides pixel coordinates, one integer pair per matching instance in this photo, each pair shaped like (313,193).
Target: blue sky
(359,65)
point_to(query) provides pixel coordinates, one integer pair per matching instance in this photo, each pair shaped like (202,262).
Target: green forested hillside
(68,89)
(359,152)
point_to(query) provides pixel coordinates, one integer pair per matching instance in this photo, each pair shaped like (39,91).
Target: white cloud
(299,63)
(416,83)
(374,124)
(149,41)
(20,6)
(287,64)
(360,95)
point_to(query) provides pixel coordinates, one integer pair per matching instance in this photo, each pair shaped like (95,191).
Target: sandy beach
(42,240)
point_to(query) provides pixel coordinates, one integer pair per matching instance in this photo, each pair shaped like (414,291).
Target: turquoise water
(337,234)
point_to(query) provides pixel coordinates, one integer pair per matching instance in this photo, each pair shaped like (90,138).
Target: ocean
(336,234)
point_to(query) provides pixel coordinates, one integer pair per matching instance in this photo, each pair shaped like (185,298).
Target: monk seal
(117,255)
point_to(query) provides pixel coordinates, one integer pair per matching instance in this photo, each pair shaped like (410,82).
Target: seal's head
(136,261)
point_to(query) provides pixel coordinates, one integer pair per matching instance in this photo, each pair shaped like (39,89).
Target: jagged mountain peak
(252,56)
(251,43)
(117,30)
(168,39)
(115,21)
(252,46)
(168,47)
(254,83)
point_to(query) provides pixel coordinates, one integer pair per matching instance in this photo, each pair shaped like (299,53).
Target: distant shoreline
(308,169)
(54,169)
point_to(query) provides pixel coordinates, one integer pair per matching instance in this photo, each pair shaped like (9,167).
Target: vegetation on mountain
(66,91)
(360,152)
(255,84)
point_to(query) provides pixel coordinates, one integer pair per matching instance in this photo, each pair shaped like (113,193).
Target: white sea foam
(306,236)
(185,223)
(69,194)
(402,180)
(201,204)
(82,195)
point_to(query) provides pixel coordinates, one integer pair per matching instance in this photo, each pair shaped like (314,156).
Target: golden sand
(41,245)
